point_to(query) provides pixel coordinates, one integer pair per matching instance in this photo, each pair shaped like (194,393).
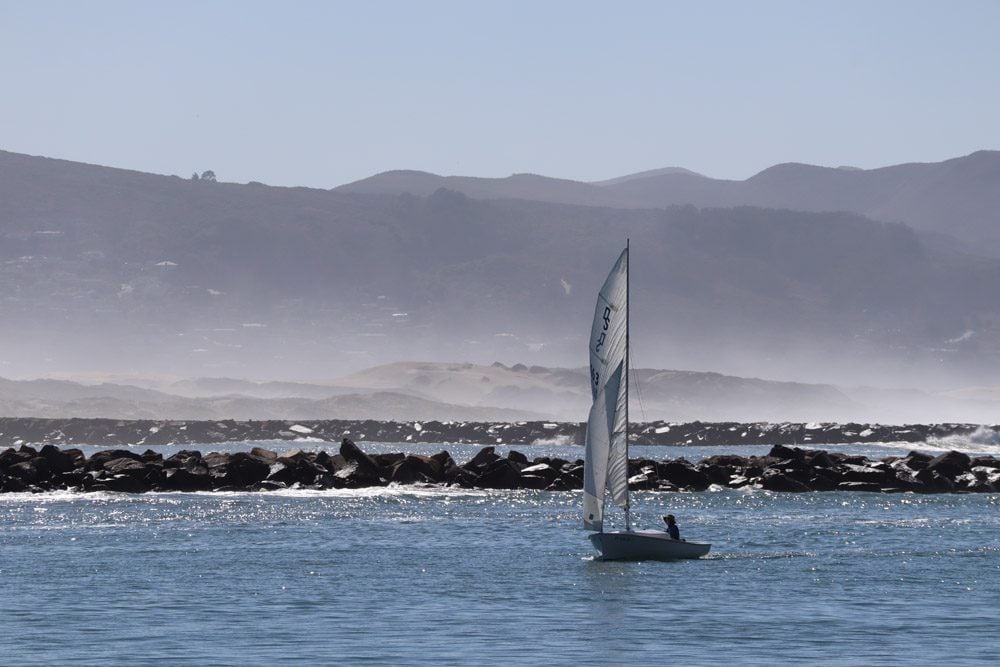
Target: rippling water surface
(431,576)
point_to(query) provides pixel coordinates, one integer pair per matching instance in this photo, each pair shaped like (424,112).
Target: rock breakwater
(111,432)
(788,469)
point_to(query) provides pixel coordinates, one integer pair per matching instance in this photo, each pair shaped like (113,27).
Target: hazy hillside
(117,271)
(419,391)
(64,399)
(959,197)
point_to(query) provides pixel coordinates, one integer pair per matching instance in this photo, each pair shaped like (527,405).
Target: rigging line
(634,377)
(629,356)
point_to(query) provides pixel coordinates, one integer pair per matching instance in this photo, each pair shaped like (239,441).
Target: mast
(628,262)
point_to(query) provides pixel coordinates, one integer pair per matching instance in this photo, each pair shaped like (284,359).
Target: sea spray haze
(161,273)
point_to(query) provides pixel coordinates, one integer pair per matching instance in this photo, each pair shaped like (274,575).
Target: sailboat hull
(645,545)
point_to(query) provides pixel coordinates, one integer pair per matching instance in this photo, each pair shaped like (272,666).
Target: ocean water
(455,577)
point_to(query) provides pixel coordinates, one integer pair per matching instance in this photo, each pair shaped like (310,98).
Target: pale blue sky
(323,93)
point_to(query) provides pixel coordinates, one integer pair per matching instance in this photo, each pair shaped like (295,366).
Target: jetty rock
(784,469)
(15,431)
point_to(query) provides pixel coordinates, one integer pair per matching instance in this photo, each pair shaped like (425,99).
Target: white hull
(645,545)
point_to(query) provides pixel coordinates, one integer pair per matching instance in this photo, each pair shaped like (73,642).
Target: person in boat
(672,528)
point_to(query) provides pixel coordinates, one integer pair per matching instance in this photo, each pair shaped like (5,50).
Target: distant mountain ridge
(649,173)
(959,197)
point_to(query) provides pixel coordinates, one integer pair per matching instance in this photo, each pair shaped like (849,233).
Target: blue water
(432,576)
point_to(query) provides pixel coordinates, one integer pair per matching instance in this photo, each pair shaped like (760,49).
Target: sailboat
(606,456)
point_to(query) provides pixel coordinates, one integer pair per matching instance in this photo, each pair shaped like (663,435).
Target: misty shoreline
(17,431)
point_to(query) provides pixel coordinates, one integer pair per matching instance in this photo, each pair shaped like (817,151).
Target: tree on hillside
(208,175)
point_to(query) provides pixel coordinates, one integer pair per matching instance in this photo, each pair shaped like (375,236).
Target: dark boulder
(462,478)
(195,466)
(365,467)
(216,459)
(74,479)
(97,461)
(125,484)
(543,470)
(184,455)
(265,455)
(125,466)
(449,469)
(535,482)
(417,468)
(152,457)
(58,460)
(822,482)
(270,485)
(483,459)
(565,482)
(644,481)
(819,459)
(387,461)
(783,452)
(287,472)
(323,460)
(33,471)
(501,474)
(917,460)
(935,482)
(850,472)
(985,462)
(774,480)
(11,484)
(410,471)
(182,479)
(517,457)
(682,474)
(10,456)
(727,460)
(906,478)
(871,487)
(717,474)
(975,481)
(739,481)
(648,466)
(797,469)
(332,463)
(950,464)
(243,470)
(855,459)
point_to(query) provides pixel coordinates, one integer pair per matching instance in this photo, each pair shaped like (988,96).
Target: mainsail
(606,457)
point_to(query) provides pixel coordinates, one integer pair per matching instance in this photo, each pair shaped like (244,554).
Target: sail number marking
(606,318)
(604,332)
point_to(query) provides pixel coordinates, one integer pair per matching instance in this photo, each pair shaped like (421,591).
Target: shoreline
(15,431)
(783,469)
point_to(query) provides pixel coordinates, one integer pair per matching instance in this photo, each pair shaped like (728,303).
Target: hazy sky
(323,93)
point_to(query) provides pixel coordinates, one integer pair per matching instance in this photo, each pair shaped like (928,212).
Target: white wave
(392,491)
(554,441)
(983,440)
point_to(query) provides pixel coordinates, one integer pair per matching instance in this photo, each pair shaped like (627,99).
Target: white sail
(605,470)
(606,458)
(600,432)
